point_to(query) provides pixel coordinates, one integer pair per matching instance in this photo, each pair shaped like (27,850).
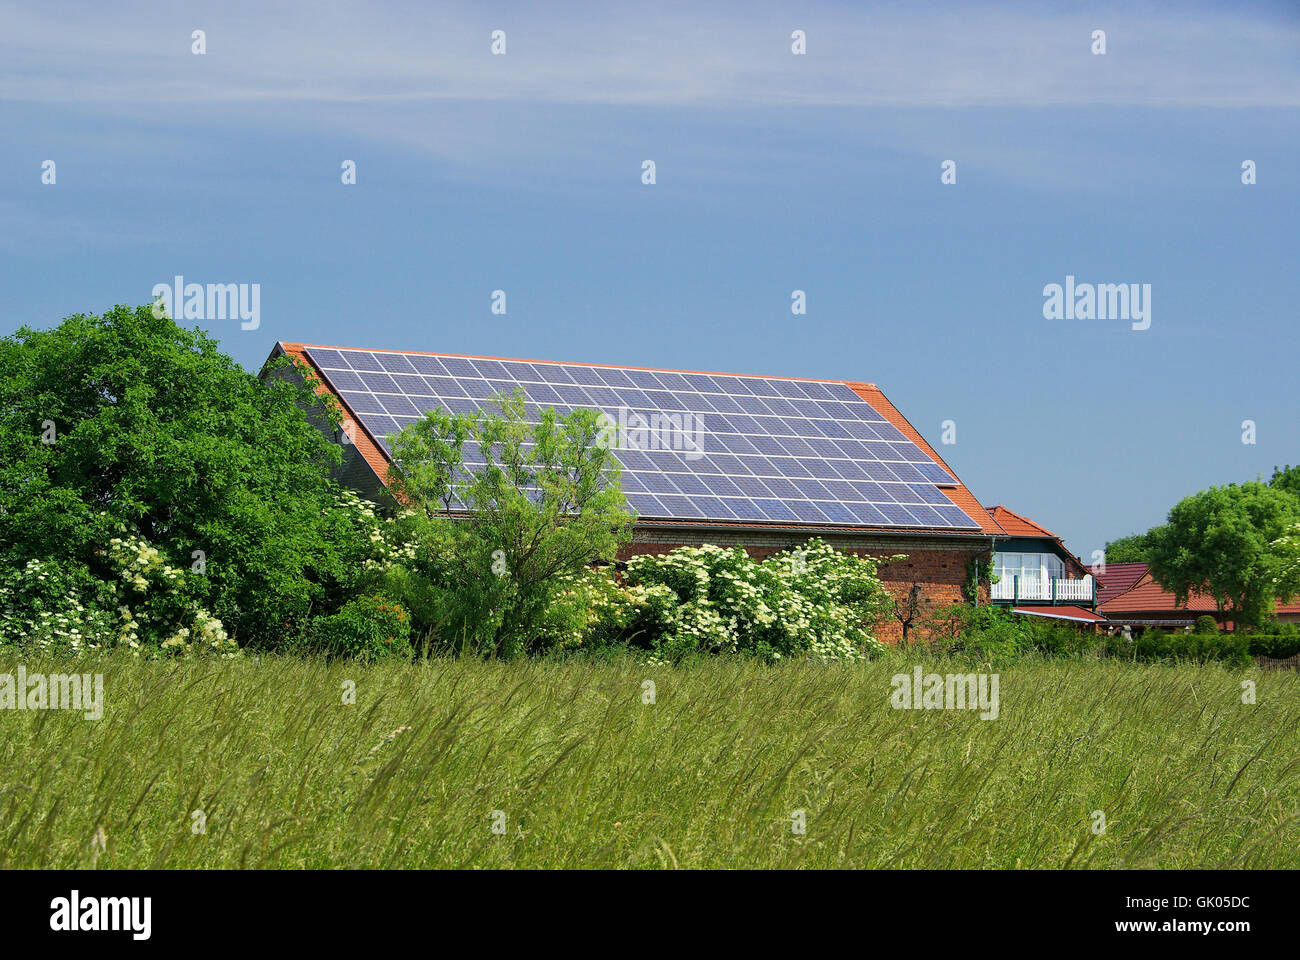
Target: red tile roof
(1145,595)
(1061,613)
(1018,526)
(1148,596)
(1118,578)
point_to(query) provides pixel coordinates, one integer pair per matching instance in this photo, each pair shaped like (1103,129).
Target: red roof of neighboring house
(1145,595)
(1062,613)
(1018,526)
(1118,578)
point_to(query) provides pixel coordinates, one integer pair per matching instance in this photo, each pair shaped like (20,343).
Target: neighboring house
(1037,575)
(764,463)
(1130,595)
(1116,578)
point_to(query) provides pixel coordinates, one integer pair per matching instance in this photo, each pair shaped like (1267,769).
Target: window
(1010,565)
(1029,567)
(1004,563)
(1055,567)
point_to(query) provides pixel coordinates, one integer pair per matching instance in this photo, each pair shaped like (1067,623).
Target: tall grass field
(717,764)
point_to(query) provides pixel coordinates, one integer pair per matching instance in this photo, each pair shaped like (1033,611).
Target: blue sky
(775,172)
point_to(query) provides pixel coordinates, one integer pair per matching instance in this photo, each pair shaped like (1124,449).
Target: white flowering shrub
(143,605)
(832,600)
(813,601)
(52,603)
(593,610)
(383,542)
(1287,550)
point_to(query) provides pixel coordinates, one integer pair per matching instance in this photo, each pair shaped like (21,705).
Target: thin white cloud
(966,55)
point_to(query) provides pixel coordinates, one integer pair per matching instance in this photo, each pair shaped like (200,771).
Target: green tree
(1286,479)
(1133,548)
(127,425)
(501,514)
(1223,542)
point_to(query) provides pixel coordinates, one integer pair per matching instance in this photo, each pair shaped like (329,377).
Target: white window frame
(1036,567)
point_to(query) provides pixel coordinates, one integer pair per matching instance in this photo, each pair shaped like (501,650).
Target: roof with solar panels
(739,450)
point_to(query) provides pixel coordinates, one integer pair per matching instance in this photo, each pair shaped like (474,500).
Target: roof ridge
(577,363)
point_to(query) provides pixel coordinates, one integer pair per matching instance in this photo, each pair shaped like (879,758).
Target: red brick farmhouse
(729,459)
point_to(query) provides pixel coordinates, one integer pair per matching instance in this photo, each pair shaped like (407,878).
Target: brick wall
(939,568)
(940,574)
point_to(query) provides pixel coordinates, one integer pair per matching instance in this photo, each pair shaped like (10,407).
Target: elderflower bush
(833,599)
(143,605)
(156,608)
(813,601)
(587,609)
(52,603)
(1287,549)
(379,531)
(593,610)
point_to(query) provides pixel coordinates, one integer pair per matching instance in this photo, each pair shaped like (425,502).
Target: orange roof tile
(1018,526)
(1118,578)
(1147,595)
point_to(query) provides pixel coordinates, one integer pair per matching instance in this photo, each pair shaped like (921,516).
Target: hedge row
(1153,645)
(1275,646)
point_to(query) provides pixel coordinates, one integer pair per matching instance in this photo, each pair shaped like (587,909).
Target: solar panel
(692,446)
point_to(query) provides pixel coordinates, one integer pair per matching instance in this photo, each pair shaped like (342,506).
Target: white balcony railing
(1042,588)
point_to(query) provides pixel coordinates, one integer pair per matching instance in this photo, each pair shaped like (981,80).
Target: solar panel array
(729,448)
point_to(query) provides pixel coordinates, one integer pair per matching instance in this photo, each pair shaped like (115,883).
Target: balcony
(1052,590)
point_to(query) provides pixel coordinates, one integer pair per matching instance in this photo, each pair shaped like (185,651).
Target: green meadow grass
(709,775)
